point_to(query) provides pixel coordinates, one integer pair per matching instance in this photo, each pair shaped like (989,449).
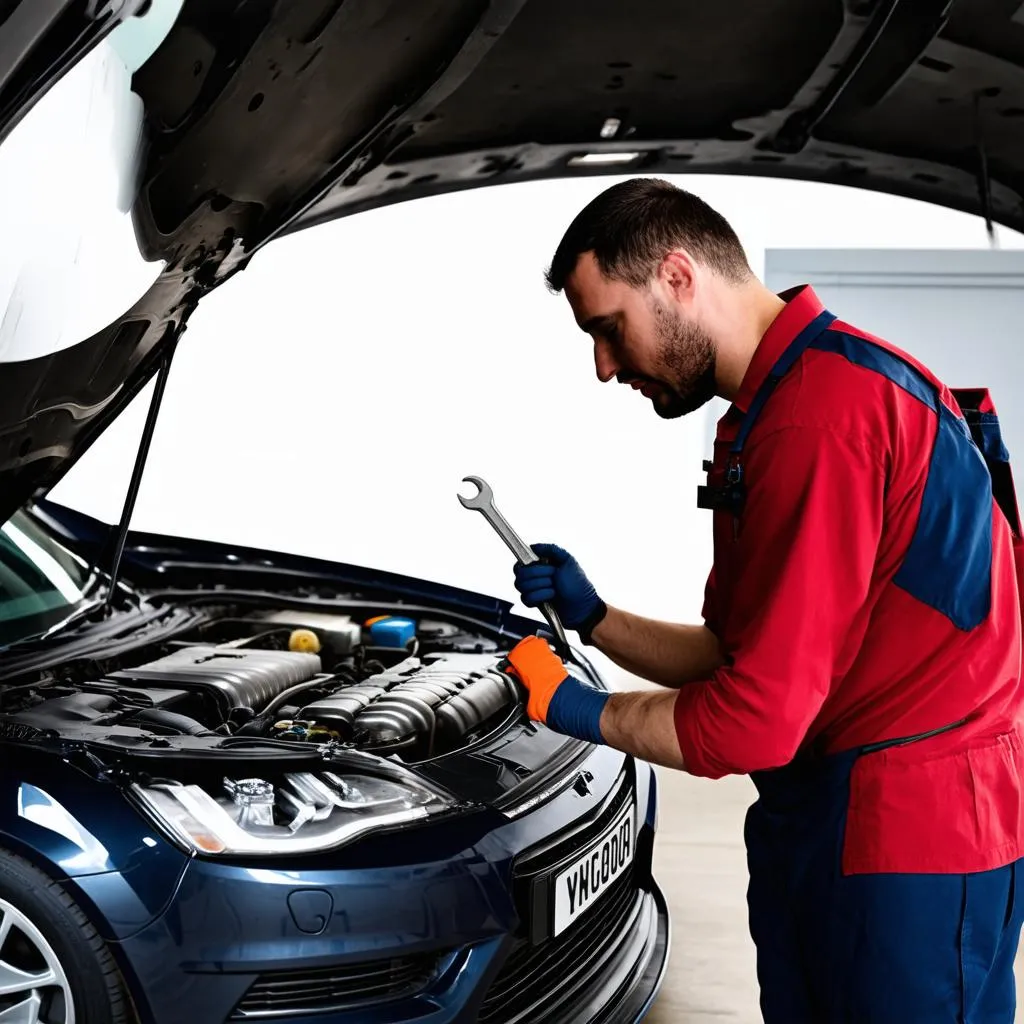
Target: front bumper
(436,925)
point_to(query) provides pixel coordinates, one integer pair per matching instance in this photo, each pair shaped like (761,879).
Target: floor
(699,861)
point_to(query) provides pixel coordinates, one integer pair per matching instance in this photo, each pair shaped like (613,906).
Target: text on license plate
(579,886)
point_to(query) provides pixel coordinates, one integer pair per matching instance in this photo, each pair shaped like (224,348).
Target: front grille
(333,989)
(540,967)
(533,971)
(539,860)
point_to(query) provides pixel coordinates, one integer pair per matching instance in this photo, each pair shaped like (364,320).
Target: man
(860,654)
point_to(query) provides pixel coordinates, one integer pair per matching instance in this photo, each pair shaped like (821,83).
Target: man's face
(643,338)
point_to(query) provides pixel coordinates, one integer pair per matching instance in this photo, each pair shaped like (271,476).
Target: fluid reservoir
(337,633)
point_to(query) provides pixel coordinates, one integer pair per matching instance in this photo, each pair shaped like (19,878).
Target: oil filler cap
(311,909)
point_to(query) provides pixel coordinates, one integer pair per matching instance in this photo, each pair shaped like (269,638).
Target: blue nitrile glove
(559,579)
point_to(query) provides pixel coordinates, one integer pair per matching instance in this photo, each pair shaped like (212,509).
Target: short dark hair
(632,225)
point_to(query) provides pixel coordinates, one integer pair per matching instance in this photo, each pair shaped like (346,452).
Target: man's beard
(687,357)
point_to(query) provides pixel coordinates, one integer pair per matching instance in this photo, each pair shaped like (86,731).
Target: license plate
(579,886)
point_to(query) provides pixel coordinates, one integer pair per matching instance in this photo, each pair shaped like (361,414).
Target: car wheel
(54,967)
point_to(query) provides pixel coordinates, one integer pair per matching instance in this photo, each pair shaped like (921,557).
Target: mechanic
(860,655)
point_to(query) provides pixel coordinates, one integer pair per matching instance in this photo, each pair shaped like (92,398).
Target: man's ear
(677,275)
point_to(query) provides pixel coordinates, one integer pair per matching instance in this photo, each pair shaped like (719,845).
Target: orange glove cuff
(540,670)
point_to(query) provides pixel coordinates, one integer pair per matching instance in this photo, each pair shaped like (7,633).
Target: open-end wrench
(483,501)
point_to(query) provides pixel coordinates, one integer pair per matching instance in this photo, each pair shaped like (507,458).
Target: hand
(559,579)
(556,699)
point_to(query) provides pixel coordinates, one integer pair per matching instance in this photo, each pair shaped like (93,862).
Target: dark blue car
(270,788)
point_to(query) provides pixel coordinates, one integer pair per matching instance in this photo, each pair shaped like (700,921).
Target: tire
(43,930)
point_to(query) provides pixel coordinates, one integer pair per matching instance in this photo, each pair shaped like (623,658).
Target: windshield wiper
(137,470)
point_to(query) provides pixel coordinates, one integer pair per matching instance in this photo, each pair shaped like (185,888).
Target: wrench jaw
(483,497)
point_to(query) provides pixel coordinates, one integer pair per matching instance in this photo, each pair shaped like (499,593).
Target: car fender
(86,836)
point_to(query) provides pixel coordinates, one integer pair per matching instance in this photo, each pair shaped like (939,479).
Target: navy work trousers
(872,948)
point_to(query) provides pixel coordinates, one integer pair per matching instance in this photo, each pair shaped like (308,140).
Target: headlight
(300,813)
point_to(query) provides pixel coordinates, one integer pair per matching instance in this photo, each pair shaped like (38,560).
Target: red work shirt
(822,643)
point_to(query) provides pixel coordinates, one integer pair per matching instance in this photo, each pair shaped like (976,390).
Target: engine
(392,687)
(229,677)
(420,707)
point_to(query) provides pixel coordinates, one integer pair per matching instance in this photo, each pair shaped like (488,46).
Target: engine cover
(233,676)
(418,704)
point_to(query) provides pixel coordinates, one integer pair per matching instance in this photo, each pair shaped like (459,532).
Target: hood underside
(264,118)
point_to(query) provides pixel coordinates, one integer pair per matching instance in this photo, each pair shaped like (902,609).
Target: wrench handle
(523,552)
(527,556)
(556,627)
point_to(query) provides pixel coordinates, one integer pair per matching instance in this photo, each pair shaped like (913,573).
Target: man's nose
(604,362)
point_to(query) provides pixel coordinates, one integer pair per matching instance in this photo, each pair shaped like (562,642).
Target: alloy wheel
(33,986)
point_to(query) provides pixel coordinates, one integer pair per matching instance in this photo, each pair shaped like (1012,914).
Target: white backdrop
(330,398)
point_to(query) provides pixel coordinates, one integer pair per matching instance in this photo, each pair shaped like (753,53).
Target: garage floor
(700,864)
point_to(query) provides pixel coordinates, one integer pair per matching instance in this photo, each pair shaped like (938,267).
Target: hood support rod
(140,464)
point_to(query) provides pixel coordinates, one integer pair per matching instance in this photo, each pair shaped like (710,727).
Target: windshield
(41,583)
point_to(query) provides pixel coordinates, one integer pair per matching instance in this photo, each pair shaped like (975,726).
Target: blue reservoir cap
(392,632)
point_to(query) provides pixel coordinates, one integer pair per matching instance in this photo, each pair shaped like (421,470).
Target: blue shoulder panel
(881,360)
(948,564)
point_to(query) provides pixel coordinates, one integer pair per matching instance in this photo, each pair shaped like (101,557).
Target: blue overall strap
(783,365)
(985,430)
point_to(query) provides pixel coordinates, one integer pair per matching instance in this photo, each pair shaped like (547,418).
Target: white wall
(960,312)
(329,399)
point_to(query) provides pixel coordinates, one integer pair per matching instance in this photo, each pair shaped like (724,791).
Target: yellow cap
(304,641)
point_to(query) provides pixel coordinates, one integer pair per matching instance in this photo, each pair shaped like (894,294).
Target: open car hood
(265,117)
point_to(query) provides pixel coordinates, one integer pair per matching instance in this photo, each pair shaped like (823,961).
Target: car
(211,821)
(241,784)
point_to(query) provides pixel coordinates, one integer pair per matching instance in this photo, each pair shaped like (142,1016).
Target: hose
(171,720)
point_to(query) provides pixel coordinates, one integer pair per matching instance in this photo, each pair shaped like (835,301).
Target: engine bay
(413,689)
